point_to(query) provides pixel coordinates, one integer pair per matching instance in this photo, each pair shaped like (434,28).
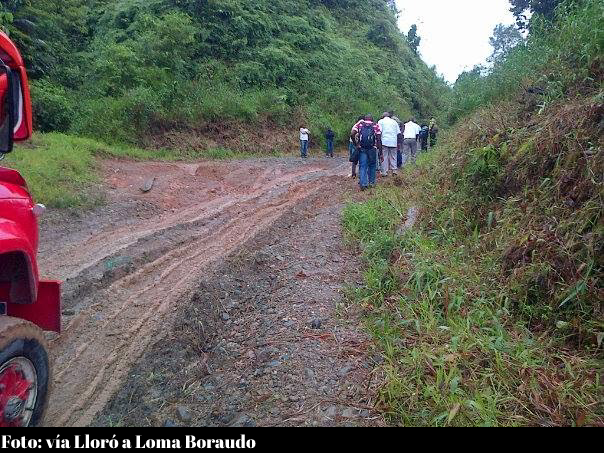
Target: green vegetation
(489,312)
(58,169)
(131,71)
(539,9)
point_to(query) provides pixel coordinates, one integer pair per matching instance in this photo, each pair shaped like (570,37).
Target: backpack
(367,136)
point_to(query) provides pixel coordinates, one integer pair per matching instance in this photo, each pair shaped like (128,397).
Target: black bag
(367,136)
(354,157)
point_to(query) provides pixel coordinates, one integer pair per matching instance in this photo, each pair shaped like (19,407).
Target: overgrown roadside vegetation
(62,170)
(214,73)
(457,351)
(490,310)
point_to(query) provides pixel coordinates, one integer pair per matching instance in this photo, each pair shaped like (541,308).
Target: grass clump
(58,169)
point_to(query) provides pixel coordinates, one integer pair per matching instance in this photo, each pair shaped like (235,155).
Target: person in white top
(304,133)
(391,135)
(410,133)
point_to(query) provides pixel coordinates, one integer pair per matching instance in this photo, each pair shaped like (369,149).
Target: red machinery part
(44,313)
(27,306)
(10,176)
(3,89)
(18,389)
(25,373)
(11,57)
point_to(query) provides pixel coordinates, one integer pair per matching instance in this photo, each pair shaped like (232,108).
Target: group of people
(330,137)
(428,132)
(387,143)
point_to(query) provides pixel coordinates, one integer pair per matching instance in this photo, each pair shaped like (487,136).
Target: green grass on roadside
(454,353)
(61,170)
(58,169)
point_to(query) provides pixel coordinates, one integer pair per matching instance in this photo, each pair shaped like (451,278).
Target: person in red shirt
(367,135)
(353,155)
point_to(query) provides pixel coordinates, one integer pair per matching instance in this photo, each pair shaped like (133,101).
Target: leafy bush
(53,107)
(119,120)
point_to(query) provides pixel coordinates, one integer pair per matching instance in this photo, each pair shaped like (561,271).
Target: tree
(413,38)
(522,8)
(46,32)
(504,39)
(391,4)
(384,34)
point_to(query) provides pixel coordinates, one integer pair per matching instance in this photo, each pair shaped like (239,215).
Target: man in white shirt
(304,133)
(410,133)
(391,134)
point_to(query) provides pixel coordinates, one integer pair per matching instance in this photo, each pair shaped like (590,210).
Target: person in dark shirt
(368,137)
(399,152)
(433,133)
(423,137)
(353,154)
(330,137)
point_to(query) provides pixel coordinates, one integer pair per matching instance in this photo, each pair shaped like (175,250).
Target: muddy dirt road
(141,272)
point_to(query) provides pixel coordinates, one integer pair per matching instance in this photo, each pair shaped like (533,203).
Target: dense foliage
(490,311)
(536,147)
(123,70)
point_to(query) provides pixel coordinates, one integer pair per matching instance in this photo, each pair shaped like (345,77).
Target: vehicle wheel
(24,373)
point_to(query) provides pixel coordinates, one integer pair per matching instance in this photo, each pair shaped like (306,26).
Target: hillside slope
(490,311)
(185,73)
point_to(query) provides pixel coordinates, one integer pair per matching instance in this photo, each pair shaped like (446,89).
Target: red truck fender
(45,312)
(36,301)
(17,257)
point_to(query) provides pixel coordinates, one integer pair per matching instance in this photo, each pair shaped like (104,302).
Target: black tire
(19,338)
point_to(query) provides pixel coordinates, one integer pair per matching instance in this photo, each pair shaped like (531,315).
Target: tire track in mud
(81,256)
(118,313)
(266,339)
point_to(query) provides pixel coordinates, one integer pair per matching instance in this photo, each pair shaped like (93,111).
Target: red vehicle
(28,306)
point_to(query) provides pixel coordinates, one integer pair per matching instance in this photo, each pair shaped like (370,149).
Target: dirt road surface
(213,299)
